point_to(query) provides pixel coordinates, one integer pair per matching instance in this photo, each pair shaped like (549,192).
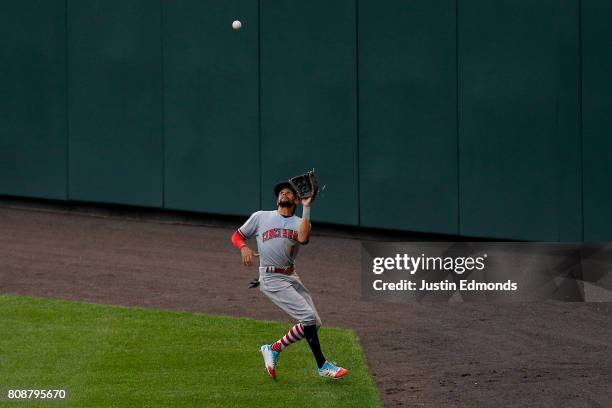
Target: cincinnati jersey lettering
(279,233)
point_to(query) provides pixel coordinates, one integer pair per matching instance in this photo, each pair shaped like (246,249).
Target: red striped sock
(295,334)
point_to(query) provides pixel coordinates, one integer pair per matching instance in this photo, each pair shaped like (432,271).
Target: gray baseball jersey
(276,237)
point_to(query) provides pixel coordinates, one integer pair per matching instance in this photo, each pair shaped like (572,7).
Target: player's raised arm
(305,226)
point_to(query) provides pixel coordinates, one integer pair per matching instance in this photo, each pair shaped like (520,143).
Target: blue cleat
(332,371)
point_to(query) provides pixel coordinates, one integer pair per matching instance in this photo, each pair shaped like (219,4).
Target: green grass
(108,356)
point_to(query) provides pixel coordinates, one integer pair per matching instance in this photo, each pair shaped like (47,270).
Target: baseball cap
(281,185)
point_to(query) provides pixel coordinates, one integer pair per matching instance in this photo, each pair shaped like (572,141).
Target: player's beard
(285,203)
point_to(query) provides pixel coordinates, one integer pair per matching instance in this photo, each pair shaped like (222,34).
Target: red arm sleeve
(238,240)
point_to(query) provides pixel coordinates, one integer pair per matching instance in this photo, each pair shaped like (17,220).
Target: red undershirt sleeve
(238,240)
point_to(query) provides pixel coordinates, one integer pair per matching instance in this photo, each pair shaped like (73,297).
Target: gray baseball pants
(289,293)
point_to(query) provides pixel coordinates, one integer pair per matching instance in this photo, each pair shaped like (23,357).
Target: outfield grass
(108,356)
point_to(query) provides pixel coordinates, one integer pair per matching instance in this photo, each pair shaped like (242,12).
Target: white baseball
(236,25)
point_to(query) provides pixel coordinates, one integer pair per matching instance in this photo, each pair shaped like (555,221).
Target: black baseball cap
(281,185)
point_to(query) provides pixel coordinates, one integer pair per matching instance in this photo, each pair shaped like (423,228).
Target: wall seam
(357,96)
(581,119)
(457,110)
(163,105)
(66,99)
(259,127)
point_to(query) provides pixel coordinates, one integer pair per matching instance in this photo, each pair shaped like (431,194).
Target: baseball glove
(305,185)
(254,283)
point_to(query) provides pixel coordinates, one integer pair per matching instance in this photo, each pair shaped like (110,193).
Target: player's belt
(284,271)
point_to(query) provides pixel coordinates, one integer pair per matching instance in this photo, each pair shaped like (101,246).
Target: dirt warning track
(429,354)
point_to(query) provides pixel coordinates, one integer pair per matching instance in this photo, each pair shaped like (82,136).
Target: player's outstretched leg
(271,352)
(326,368)
(295,334)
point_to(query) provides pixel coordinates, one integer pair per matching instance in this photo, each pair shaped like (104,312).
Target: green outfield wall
(469,117)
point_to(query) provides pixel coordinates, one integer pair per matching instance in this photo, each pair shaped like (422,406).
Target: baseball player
(279,234)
